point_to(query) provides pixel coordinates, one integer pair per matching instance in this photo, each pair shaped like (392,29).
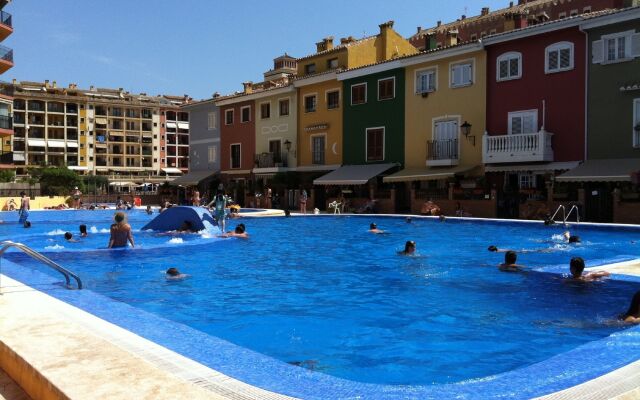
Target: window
(358,94)
(245,114)
(333,99)
(284,107)
(559,57)
(636,123)
(474,37)
(509,66)
(461,74)
(523,122)
(317,149)
(444,131)
(616,47)
(213,154)
(265,110)
(310,69)
(235,155)
(310,103)
(562,15)
(587,9)
(573,12)
(526,180)
(386,88)
(375,144)
(228,117)
(275,147)
(211,121)
(332,63)
(426,81)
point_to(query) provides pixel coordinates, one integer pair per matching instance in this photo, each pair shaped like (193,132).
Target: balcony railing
(6,54)
(266,160)
(5,18)
(442,152)
(525,147)
(6,122)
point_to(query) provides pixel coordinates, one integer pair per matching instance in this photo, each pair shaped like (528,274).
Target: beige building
(96,131)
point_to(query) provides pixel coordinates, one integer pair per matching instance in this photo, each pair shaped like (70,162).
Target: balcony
(6,25)
(6,158)
(6,122)
(442,152)
(526,147)
(265,160)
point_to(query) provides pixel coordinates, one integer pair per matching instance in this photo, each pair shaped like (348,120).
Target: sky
(194,47)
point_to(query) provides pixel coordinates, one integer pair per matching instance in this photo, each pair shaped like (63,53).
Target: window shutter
(597,51)
(635,45)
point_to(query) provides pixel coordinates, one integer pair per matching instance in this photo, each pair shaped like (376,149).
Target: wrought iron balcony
(525,147)
(442,152)
(270,160)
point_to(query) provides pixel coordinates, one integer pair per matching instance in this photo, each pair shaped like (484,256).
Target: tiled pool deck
(56,350)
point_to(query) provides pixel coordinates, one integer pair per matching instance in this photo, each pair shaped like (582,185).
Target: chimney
(510,4)
(451,38)
(54,85)
(248,87)
(325,44)
(14,81)
(388,49)
(463,17)
(485,11)
(347,40)
(216,95)
(46,83)
(419,29)
(92,88)
(430,41)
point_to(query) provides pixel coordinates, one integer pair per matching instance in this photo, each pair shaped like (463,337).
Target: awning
(192,178)
(353,174)
(553,166)
(101,121)
(72,144)
(171,125)
(605,170)
(423,174)
(18,156)
(55,143)
(77,168)
(36,142)
(122,184)
(170,170)
(115,133)
(183,125)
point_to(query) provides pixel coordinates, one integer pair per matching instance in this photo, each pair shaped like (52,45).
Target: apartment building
(97,131)
(517,15)
(6,102)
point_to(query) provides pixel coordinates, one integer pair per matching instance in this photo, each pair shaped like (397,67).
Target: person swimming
(83,231)
(373,228)
(409,248)
(149,210)
(633,313)
(239,232)
(174,274)
(576,266)
(509,265)
(68,236)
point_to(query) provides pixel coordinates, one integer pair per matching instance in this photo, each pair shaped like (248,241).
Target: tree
(57,180)
(7,175)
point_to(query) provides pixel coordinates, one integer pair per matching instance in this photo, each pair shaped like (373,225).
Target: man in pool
(632,315)
(576,266)
(120,232)
(83,231)
(24,208)
(409,248)
(373,228)
(173,274)
(509,265)
(68,236)
(239,232)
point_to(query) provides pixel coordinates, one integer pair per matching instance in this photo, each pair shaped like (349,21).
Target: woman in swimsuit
(120,232)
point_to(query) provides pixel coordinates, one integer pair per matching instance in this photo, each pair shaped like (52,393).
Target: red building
(518,15)
(535,109)
(237,144)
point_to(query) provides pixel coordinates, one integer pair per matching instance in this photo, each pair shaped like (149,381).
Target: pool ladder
(7,244)
(566,215)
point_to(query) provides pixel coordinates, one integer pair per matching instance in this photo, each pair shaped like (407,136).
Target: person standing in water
(303,201)
(220,206)
(24,208)
(120,232)
(77,196)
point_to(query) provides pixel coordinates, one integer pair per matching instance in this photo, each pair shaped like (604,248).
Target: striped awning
(605,170)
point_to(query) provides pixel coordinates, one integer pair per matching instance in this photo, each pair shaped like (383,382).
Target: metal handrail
(565,215)
(574,207)
(6,244)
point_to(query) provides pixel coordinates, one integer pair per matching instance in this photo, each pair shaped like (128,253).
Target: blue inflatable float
(172,219)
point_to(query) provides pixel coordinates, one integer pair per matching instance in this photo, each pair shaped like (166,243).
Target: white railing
(526,147)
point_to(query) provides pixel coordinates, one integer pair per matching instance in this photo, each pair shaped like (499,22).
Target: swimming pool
(323,293)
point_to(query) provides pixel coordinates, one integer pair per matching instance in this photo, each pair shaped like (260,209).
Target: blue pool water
(323,293)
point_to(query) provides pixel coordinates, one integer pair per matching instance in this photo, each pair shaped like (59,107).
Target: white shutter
(597,51)
(635,45)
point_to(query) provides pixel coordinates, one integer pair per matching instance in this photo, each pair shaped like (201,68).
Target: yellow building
(320,93)
(445,112)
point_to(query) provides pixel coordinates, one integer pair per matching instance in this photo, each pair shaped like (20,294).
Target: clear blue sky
(194,47)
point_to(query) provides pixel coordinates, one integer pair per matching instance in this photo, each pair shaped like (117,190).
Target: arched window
(558,57)
(509,66)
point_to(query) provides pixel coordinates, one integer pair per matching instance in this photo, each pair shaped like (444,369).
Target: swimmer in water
(373,228)
(576,266)
(442,218)
(569,238)
(149,210)
(68,236)
(239,232)
(509,264)
(409,248)
(173,274)
(83,231)
(633,313)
